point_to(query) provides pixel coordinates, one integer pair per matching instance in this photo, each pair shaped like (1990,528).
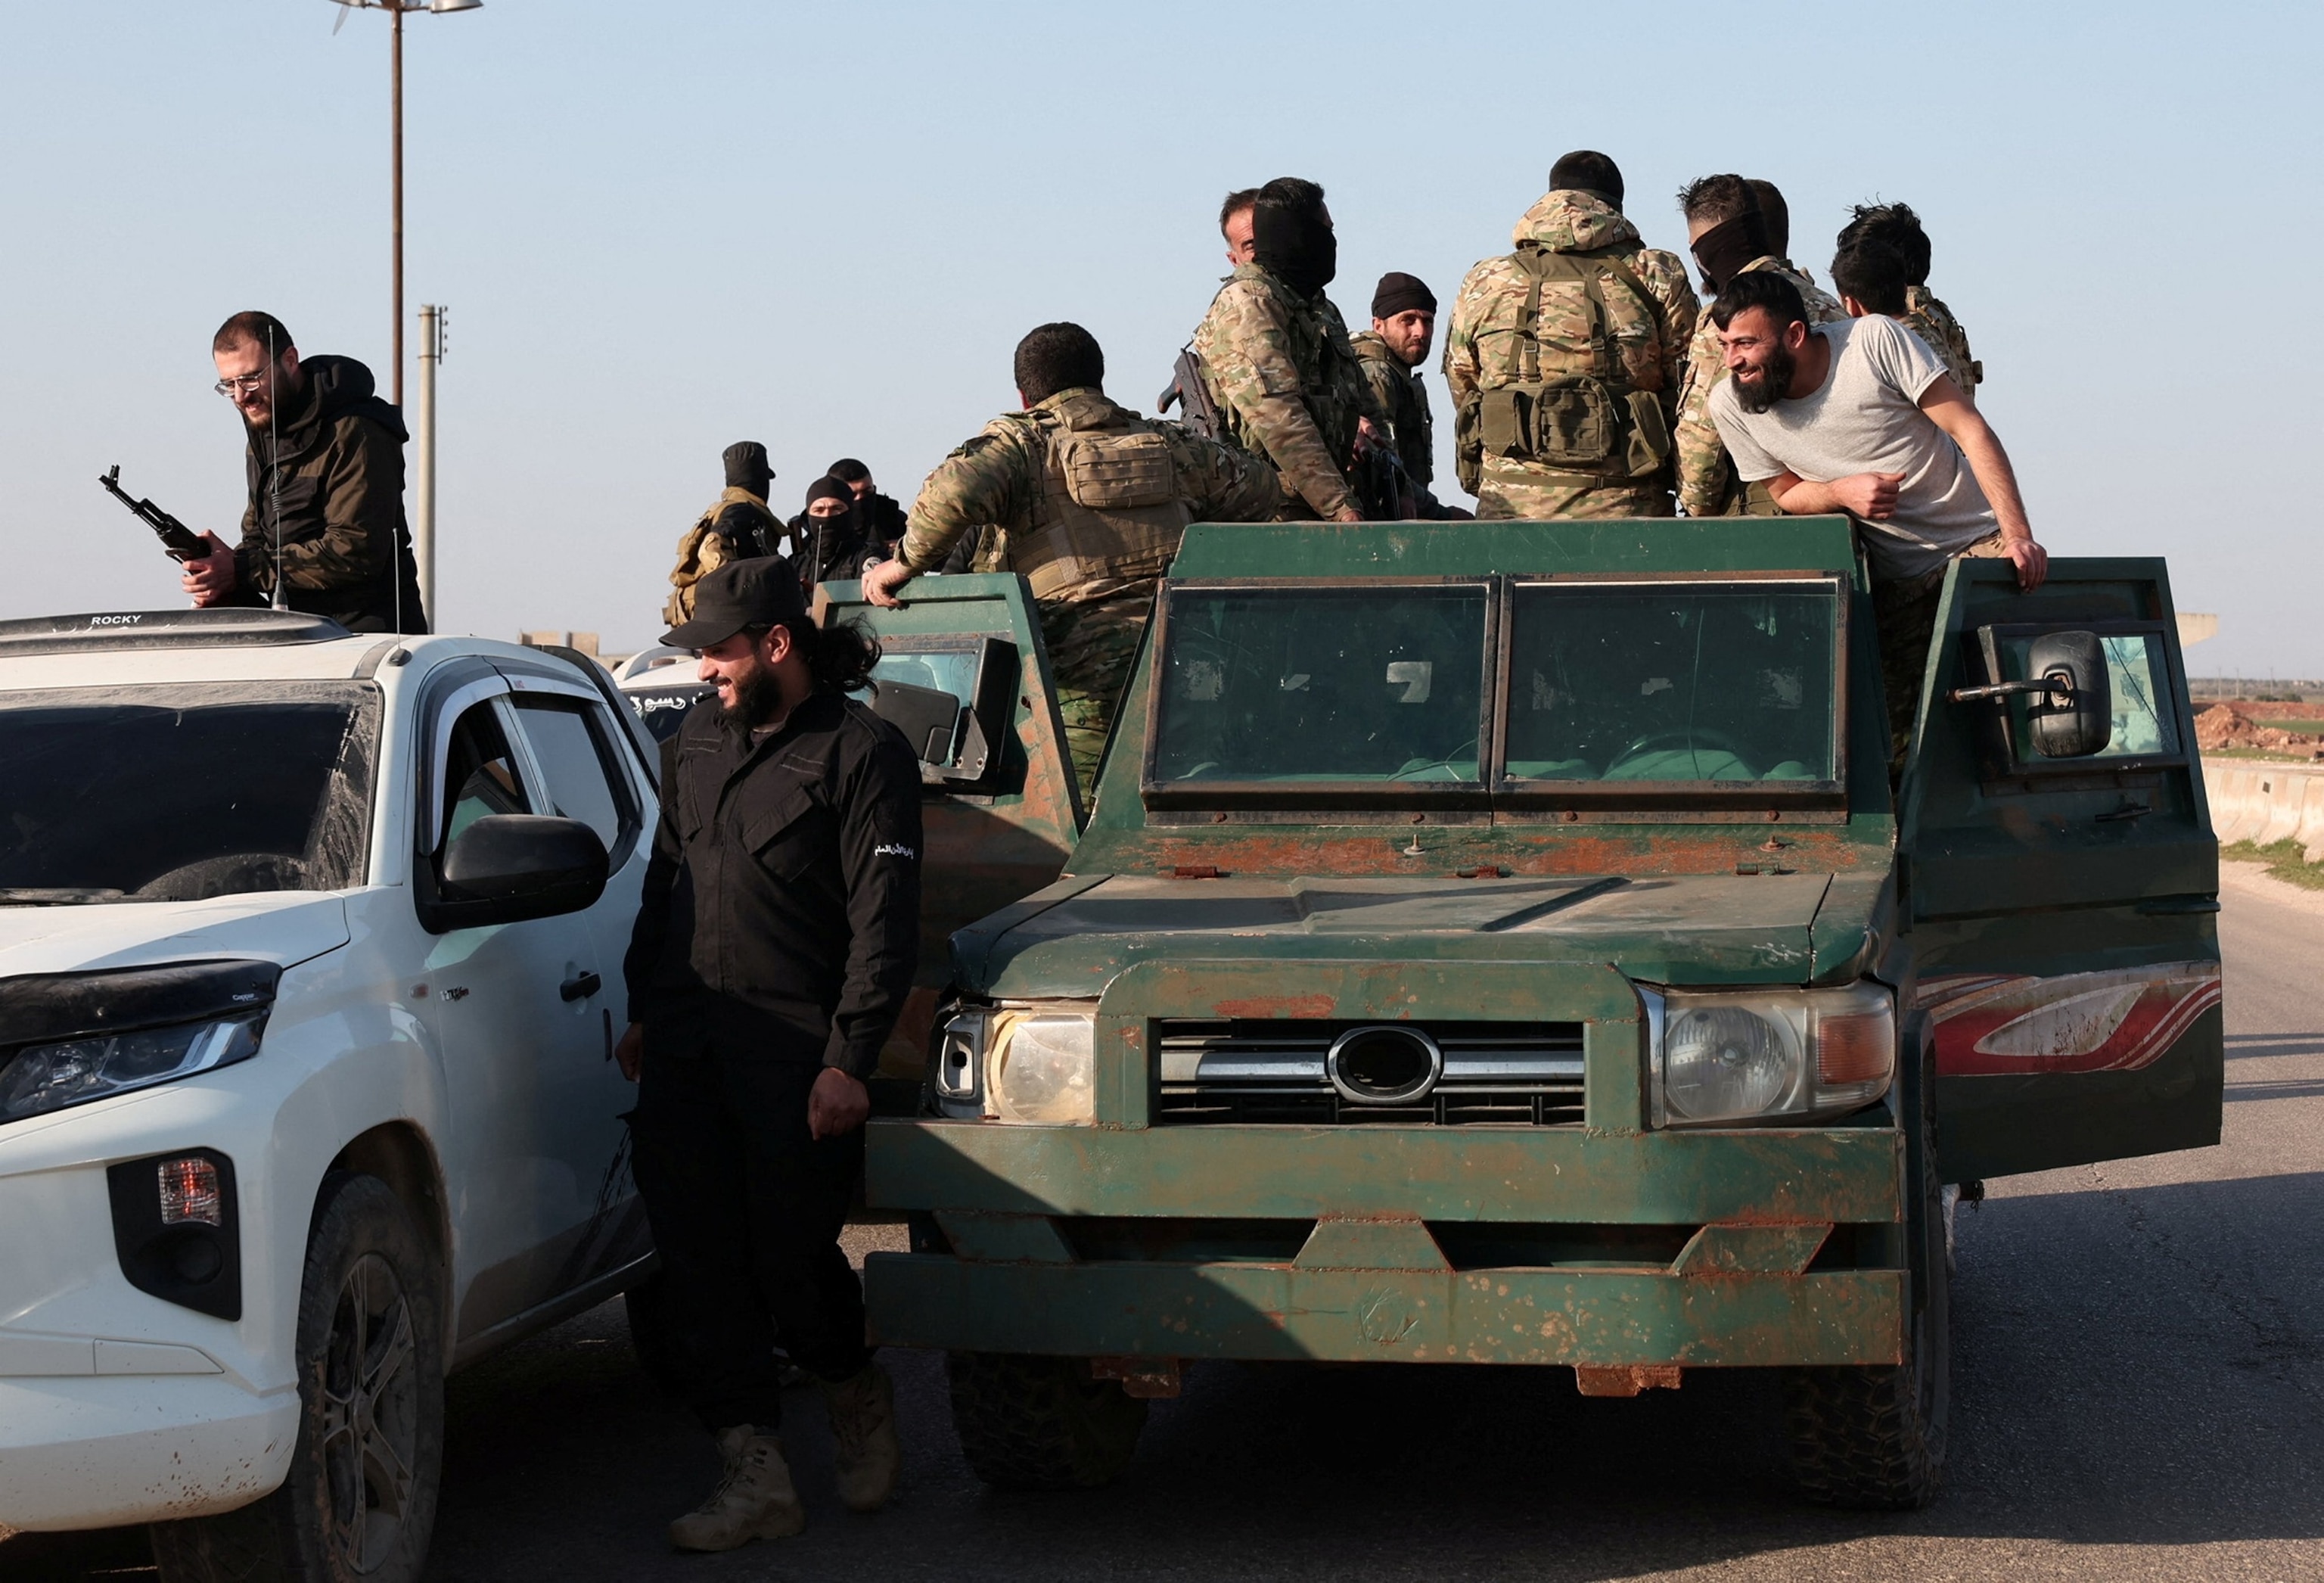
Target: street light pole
(395,10)
(396,51)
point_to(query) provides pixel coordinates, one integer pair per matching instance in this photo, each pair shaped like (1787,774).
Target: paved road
(2138,1395)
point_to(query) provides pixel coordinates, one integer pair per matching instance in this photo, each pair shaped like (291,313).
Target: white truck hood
(276,925)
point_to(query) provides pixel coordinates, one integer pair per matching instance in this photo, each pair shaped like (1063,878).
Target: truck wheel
(359,1502)
(1041,1422)
(1874,1439)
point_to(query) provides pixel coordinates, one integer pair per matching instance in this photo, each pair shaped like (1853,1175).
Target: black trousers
(746,1208)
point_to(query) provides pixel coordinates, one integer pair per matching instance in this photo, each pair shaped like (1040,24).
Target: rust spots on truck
(1311,1008)
(1626,1380)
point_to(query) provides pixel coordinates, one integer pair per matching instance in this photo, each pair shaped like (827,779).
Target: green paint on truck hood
(1071,940)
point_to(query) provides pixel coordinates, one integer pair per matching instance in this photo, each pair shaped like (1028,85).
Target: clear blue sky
(666,225)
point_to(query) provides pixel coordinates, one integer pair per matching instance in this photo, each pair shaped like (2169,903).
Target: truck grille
(1273,1072)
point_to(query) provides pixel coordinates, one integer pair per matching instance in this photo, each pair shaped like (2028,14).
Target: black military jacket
(784,877)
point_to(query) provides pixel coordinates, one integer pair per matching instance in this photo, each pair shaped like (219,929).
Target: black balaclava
(1294,245)
(1722,251)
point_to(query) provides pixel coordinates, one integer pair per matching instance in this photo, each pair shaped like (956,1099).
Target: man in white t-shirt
(1861,417)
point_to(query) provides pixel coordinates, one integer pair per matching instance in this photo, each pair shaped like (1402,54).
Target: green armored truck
(1500,943)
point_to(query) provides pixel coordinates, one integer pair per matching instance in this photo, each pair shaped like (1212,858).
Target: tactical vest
(1110,511)
(1595,423)
(701,551)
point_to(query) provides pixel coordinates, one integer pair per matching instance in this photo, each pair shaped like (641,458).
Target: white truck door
(524,1046)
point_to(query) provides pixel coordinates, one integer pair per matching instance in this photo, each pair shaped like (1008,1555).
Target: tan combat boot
(754,1499)
(865,1457)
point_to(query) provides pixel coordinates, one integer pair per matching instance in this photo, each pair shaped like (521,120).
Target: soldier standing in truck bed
(1565,357)
(1091,501)
(1276,362)
(738,526)
(1729,234)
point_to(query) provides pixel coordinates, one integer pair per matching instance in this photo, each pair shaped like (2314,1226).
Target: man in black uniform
(774,947)
(879,517)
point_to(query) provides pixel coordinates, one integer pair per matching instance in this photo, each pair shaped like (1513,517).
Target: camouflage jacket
(1648,342)
(994,479)
(1287,384)
(1397,389)
(326,514)
(1706,478)
(1934,323)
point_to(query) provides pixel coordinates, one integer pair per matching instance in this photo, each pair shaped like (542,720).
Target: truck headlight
(1041,1065)
(74,1071)
(1721,1058)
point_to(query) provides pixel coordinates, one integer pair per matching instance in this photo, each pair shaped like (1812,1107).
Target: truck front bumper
(1788,1244)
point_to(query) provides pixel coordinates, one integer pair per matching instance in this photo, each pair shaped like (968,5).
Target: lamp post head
(454,4)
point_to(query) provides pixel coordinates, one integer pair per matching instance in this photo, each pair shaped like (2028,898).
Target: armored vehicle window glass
(579,768)
(1380,684)
(1669,681)
(159,793)
(2138,676)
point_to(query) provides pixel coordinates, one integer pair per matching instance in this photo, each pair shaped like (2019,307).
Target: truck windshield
(1671,681)
(180,793)
(1283,684)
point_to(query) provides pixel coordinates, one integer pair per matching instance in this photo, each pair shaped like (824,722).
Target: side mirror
(507,867)
(2073,717)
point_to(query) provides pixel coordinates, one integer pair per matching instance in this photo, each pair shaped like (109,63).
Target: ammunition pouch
(1111,510)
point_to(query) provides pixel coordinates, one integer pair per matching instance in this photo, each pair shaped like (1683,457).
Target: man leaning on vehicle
(324,523)
(775,942)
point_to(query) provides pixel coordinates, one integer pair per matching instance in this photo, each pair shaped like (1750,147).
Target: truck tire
(1041,1422)
(359,1502)
(1874,1439)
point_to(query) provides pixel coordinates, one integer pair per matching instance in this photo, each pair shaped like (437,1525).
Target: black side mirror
(928,717)
(507,867)
(2073,717)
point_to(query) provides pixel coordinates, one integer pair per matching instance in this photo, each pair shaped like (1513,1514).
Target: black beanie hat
(829,488)
(1398,293)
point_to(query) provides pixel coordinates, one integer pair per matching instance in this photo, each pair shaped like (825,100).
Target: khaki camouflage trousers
(1090,648)
(1529,494)
(1906,613)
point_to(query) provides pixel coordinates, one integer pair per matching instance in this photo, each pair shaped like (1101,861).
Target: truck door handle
(581,988)
(2128,810)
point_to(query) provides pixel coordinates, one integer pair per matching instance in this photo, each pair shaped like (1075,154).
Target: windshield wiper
(55,895)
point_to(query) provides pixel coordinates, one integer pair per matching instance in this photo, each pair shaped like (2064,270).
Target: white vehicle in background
(662,684)
(310,949)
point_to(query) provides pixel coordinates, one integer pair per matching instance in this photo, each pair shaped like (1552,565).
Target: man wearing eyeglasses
(325,524)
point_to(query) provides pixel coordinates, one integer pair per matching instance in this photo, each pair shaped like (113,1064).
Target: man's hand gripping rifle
(181,540)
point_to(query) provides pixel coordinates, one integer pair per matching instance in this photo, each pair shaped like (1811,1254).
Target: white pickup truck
(309,961)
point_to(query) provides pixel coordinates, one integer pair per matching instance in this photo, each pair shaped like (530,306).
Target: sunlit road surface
(2137,1395)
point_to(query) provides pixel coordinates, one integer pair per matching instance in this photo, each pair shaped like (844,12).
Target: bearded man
(1859,416)
(774,946)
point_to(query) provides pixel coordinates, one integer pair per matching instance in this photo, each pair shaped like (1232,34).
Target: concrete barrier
(2264,803)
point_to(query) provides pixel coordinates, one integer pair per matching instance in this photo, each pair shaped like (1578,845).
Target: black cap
(829,488)
(758,592)
(746,467)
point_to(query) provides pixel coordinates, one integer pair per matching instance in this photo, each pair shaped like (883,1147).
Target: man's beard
(757,700)
(1774,379)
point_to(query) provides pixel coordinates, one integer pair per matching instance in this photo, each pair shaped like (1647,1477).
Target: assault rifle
(181,540)
(1383,489)
(1187,388)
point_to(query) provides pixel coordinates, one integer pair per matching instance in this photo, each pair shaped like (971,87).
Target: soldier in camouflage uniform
(1870,277)
(1565,359)
(1275,358)
(1896,225)
(1089,501)
(1403,322)
(1728,236)
(738,526)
